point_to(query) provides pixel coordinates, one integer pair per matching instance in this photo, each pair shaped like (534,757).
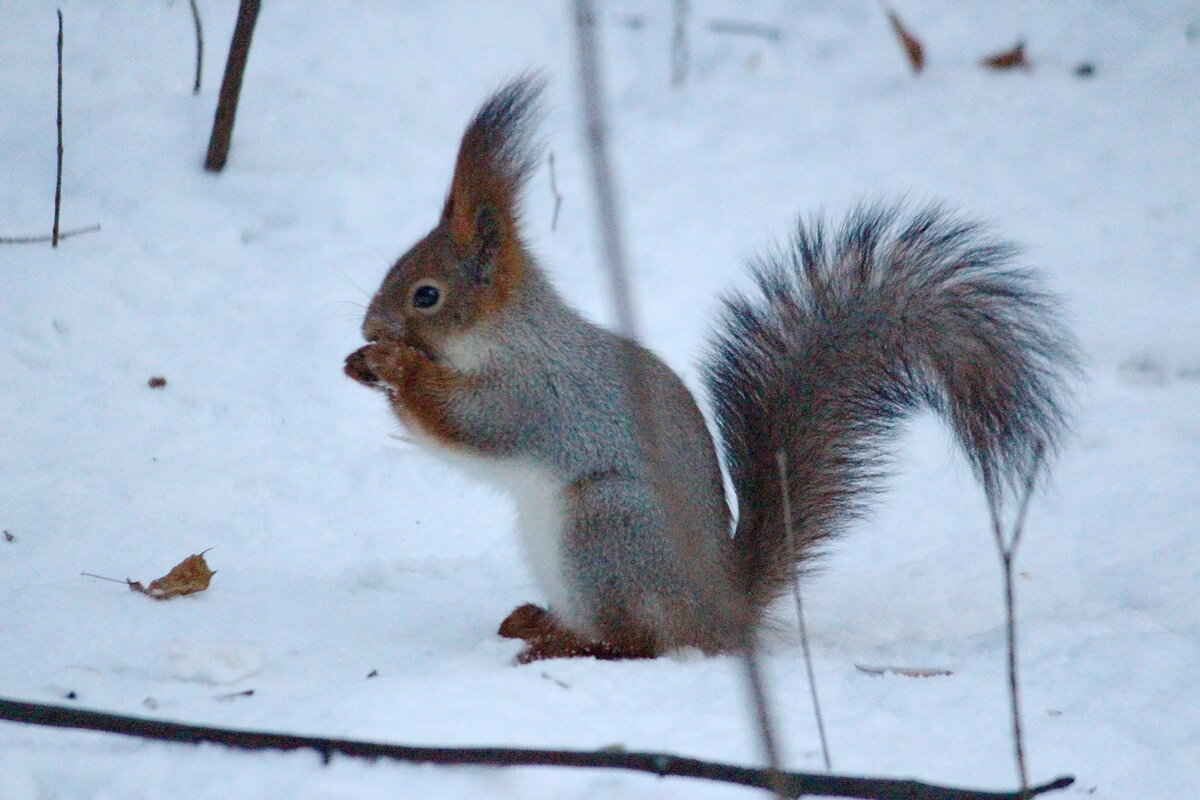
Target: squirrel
(621,506)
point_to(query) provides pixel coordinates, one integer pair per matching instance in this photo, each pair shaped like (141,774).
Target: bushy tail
(841,339)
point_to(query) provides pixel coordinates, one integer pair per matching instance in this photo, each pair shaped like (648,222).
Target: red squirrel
(621,508)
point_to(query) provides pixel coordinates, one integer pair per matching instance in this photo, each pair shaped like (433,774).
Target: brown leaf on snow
(1009,59)
(188,577)
(912,47)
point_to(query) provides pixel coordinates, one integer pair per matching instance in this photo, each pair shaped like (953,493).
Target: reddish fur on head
(495,159)
(473,261)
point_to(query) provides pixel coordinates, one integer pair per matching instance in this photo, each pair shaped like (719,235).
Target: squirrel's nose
(378,326)
(373,327)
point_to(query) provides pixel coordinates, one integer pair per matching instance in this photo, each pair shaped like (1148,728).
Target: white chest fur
(539,512)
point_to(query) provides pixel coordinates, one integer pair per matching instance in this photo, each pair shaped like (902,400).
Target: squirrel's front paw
(358,368)
(389,360)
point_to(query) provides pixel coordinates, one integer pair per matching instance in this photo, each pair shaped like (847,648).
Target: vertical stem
(1014,692)
(58,172)
(231,86)
(558,199)
(679,47)
(1008,550)
(606,198)
(762,713)
(645,421)
(199,45)
(781,463)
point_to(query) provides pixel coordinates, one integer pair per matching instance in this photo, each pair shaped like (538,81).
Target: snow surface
(343,552)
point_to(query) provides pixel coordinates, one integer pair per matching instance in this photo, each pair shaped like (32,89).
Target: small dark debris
(373,673)
(8,537)
(71,695)
(157,382)
(555,681)
(235,695)
(1085,70)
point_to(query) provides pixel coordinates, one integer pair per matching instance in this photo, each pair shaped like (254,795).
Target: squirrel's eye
(426,297)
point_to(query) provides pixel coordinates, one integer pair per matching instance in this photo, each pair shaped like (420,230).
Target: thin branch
(606,196)
(558,198)
(58,172)
(739,27)
(231,86)
(679,44)
(1007,549)
(199,45)
(47,237)
(781,463)
(794,784)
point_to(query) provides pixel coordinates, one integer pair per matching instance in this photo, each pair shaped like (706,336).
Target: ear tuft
(495,159)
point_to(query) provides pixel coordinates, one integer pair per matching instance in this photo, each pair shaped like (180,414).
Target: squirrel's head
(468,267)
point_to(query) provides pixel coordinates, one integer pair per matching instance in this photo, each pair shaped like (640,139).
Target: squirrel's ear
(484,246)
(494,160)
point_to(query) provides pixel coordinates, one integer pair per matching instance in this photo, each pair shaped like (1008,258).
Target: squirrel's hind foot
(545,637)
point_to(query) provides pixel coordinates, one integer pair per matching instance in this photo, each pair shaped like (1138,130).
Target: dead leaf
(1009,59)
(912,47)
(188,577)
(908,672)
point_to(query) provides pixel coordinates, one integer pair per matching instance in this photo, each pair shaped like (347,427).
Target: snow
(343,552)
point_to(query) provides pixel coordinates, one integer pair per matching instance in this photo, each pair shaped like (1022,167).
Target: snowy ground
(342,551)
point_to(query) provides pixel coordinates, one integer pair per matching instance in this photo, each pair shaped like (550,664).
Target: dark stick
(199,45)
(58,175)
(36,239)
(231,86)
(794,784)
